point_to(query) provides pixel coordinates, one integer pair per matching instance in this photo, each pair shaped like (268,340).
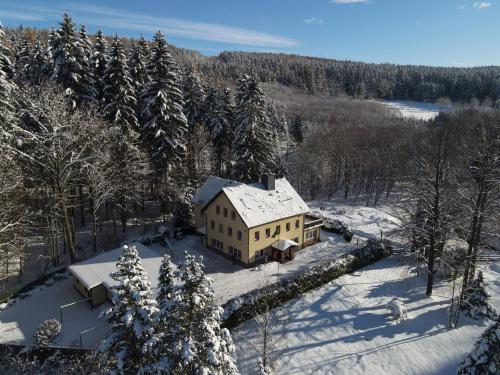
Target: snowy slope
(344,327)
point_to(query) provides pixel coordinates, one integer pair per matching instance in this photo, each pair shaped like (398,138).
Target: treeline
(362,80)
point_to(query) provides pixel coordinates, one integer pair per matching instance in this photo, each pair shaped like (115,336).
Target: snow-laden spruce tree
(297,128)
(160,346)
(199,344)
(484,359)
(6,63)
(475,300)
(100,62)
(197,138)
(24,52)
(131,316)
(219,120)
(138,56)
(35,68)
(253,145)
(71,66)
(119,94)
(86,88)
(6,97)
(183,209)
(164,123)
(280,137)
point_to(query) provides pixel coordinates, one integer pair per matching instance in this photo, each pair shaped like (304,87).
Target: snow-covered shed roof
(96,271)
(284,244)
(212,186)
(257,206)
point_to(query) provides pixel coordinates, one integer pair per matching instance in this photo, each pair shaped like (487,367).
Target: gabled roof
(257,206)
(212,186)
(96,271)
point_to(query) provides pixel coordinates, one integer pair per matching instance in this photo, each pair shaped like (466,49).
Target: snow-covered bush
(47,332)
(397,309)
(475,302)
(338,227)
(245,307)
(484,359)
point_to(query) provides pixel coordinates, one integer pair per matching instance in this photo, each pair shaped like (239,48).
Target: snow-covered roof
(284,244)
(257,206)
(212,186)
(95,271)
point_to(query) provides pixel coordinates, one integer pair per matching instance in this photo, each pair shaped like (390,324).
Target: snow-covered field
(344,327)
(413,109)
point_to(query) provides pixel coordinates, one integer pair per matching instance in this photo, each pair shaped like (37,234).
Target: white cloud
(349,1)
(14,15)
(103,16)
(482,5)
(314,21)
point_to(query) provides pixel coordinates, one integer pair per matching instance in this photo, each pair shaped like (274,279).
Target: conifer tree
(100,62)
(131,316)
(35,68)
(199,344)
(5,56)
(6,94)
(253,145)
(163,118)
(86,89)
(475,300)
(297,128)
(23,56)
(137,64)
(183,210)
(119,96)
(196,137)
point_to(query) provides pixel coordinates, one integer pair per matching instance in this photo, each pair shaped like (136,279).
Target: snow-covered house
(92,279)
(254,222)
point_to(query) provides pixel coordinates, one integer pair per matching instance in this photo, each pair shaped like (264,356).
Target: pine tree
(196,137)
(119,97)
(253,146)
(183,210)
(35,68)
(6,94)
(219,122)
(23,56)
(484,359)
(131,316)
(71,65)
(100,63)
(48,69)
(164,121)
(297,128)
(475,301)
(86,86)
(199,345)
(5,56)
(137,63)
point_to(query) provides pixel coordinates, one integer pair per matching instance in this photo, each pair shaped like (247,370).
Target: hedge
(245,307)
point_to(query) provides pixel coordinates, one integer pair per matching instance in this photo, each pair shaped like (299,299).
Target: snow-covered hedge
(338,227)
(245,307)
(484,358)
(46,333)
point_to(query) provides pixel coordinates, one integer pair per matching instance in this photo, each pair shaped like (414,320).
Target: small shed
(92,279)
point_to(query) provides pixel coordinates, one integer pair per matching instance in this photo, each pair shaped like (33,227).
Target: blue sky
(431,32)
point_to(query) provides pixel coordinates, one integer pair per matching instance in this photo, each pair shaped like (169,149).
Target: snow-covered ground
(344,327)
(413,109)
(18,323)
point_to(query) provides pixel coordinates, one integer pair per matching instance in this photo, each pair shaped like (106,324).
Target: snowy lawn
(415,110)
(345,328)
(19,322)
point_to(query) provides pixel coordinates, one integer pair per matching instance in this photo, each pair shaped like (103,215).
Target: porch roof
(283,245)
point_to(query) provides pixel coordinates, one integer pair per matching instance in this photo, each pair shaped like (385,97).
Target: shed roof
(96,271)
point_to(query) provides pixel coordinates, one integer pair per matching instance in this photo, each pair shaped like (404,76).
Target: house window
(212,224)
(288,227)
(230,231)
(296,240)
(233,215)
(221,228)
(214,242)
(239,253)
(217,210)
(278,229)
(297,223)
(238,235)
(268,232)
(257,235)
(225,212)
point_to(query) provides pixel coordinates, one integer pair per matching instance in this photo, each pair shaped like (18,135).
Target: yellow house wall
(236,224)
(264,242)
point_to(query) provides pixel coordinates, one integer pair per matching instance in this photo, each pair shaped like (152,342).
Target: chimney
(268,181)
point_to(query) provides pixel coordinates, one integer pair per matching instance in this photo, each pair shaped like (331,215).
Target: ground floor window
(310,235)
(234,252)
(217,244)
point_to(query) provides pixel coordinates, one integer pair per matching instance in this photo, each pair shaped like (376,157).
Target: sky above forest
(429,32)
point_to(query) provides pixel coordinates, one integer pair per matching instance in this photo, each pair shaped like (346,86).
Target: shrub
(46,333)
(397,309)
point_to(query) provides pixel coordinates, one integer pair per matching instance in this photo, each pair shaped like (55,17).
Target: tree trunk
(69,236)
(82,207)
